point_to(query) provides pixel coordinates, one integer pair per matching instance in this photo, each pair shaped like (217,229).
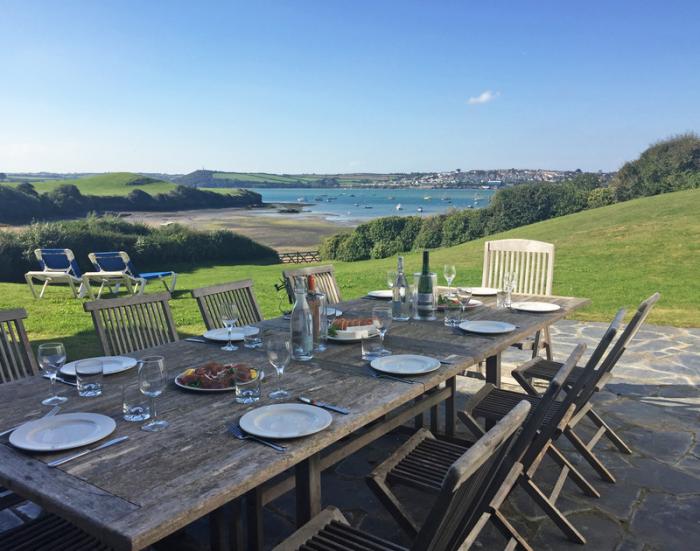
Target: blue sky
(331,86)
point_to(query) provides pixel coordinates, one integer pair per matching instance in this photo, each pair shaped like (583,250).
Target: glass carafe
(301,323)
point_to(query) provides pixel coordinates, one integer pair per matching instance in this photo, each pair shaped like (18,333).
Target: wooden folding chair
(424,459)
(211,299)
(533,263)
(129,324)
(542,369)
(16,362)
(49,533)
(325,282)
(472,489)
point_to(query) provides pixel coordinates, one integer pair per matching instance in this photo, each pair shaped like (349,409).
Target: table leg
(225,530)
(308,489)
(493,370)
(450,407)
(418,420)
(254,520)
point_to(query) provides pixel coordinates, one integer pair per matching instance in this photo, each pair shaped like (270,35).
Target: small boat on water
(399,207)
(368,207)
(301,199)
(357,204)
(420,209)
(391,197)
(427,198)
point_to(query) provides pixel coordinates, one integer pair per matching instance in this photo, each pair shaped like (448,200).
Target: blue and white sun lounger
(115,268)
(57,266)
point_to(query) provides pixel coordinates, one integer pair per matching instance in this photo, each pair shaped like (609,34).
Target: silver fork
(239,433)
(50,413)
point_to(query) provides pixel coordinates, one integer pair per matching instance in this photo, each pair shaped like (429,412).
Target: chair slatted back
(211,300)
(113,261)
(325,282)
(592,384)
(546,405)
(462,497)
(16,357)
(532,262)
(133,323)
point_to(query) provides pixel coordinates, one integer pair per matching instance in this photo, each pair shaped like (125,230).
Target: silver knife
(324,405)
(107,444)
(60,380)
(50,413)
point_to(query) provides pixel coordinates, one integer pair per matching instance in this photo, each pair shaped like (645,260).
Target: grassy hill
(213,178)
(615,255)
(113,183)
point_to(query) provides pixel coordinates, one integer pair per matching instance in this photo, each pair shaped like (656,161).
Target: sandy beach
(282,232)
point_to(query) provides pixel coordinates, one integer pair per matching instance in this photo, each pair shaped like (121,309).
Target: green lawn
(112,183)
(615,255)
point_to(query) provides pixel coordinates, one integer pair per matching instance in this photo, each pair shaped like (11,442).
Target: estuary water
(363,204)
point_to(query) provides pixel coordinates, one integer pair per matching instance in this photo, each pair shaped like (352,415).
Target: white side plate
(285,421)
(238,333)
(383,293)
(62,432)
(405,364)
(330,311)
(110,365)
(487,327)
(537,307)
(483,291)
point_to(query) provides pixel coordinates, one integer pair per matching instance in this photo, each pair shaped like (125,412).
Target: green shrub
(601,197)
(430,234)
(149,248)
(356,247)
(464,225)
(329,247)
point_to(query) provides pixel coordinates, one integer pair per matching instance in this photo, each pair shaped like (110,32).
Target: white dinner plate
(487,327)
(110,365)
(62,432)
(354,335)
(473,303)
(537,307)
(285,421)
(382,293)
(405,364)
(237,334)
(330,311)
(483,291)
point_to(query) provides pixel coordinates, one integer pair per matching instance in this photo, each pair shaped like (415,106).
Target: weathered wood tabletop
(136,493)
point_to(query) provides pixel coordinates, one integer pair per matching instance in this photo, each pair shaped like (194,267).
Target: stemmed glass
(510,280)
(381,319)
(279,354)
(464,295)
(450,272)
(229,317)
(391,278)
(152,381)
(51,357)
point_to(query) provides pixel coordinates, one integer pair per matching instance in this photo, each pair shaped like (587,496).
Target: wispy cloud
(485,97)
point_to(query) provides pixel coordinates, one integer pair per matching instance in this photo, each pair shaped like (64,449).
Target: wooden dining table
(152,485)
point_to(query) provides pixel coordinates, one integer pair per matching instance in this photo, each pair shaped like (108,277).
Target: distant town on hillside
(487,179)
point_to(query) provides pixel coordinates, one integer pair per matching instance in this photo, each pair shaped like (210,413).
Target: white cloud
(485,97)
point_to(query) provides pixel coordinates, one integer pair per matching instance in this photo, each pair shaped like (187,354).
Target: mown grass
(616,255)
(112,183)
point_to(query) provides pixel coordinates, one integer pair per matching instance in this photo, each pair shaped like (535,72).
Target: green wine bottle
(426,298)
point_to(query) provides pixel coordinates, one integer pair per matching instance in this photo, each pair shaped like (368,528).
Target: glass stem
(52,380)
(230,329)
(154,414)
(279,380)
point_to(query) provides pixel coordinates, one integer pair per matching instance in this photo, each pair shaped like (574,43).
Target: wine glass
(450,272)
(391,278)
(51,357)
(229,317)
(464,295)
(279,354)
(381,319)
(152,382)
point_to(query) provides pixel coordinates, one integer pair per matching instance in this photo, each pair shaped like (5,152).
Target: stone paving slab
(653,401)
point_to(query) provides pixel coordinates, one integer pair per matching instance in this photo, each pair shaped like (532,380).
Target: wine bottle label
(425,302)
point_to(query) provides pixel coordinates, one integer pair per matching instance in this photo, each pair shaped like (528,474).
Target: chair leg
(589,456)
(471,424)
(551,510)
(525,382)
(29,281)
(393,505)
(43,288)
(536,344)
(576,476)
(515,540)
(610,434)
